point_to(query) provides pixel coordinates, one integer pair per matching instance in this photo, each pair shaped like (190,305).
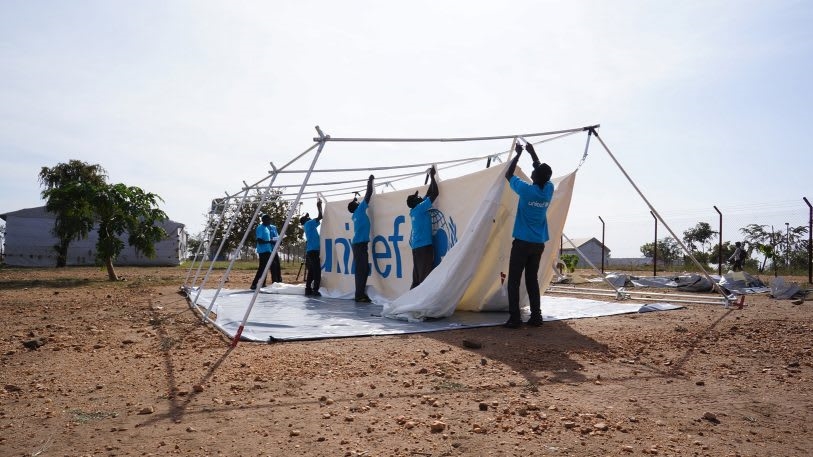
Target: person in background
(530,234)
(738,257)
(361,240)
(313,264)
(420,240)
(276,267)
(264,236)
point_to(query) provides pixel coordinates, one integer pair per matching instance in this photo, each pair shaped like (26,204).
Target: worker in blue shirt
(361,240)
(265,236)
(420,240)
(530,234)
(313,264)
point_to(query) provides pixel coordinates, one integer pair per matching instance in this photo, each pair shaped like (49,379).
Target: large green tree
(668,250)
(701,234)
(68,188)
(80,197)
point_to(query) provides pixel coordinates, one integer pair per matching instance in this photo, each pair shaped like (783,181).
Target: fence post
(809,242)
(655,250)
(720,245)
(602,244)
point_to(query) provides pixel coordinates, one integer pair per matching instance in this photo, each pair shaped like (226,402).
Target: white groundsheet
(283,312)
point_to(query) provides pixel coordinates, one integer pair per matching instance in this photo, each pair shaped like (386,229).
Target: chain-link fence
(775,236)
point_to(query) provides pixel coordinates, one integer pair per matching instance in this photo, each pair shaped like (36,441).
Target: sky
(702,103)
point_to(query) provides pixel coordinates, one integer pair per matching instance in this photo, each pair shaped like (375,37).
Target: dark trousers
(276,270)
(423,262)
(264,256)
(361,262)
(313,271)
(524,256)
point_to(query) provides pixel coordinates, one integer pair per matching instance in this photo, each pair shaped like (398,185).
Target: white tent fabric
(474,221)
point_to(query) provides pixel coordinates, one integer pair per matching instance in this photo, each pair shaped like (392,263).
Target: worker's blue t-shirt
(263,232)
(311,235)
(421,224)
(531,222)
(361,224)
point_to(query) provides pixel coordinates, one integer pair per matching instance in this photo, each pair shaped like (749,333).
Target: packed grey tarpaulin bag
(653,281)
(783,290)
(742,282)
(617,279)
(694,283)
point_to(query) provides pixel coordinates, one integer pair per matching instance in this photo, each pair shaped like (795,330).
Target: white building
(590,247)
(29,242)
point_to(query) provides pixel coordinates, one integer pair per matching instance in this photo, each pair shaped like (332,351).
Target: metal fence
(777,237)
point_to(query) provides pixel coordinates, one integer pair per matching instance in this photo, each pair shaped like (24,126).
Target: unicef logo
(444,234)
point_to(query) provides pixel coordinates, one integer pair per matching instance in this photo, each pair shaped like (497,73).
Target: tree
(68,187)
(80,197)
(701,233)
(668,250)
(119,209)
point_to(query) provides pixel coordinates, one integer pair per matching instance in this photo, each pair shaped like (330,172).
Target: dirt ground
(93,368)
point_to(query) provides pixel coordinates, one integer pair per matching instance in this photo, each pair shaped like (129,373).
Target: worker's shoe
(364,299)
(535,321)
(512,323)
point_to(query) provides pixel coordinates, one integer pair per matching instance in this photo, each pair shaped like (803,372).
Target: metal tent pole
(322,140)
(226,234)
(249,230)
(459,139)
(210,238)
(658,216)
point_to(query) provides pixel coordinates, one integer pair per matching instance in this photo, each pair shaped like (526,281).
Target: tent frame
(319,144)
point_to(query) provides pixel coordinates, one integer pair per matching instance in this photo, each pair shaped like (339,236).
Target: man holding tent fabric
(361,240)
(313,264)
(420,240)
(530,234)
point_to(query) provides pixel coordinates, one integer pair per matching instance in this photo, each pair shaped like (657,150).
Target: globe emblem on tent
(444,234)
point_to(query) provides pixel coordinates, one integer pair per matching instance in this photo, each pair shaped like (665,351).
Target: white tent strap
(444,140)
(655,212)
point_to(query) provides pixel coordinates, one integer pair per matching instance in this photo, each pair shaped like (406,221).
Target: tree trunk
(111,272)
(62,253)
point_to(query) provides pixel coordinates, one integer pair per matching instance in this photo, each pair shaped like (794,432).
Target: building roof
(580,242)
(40,212)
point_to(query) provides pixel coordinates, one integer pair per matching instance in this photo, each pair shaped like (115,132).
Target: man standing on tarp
(266,237)
(361,240)
(313,264)
(420,240)
(530,234)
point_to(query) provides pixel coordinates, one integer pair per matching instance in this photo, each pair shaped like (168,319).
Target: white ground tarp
(283,313)
(474,219)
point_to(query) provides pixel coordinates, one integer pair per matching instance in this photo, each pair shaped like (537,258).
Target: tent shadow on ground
(539,354)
